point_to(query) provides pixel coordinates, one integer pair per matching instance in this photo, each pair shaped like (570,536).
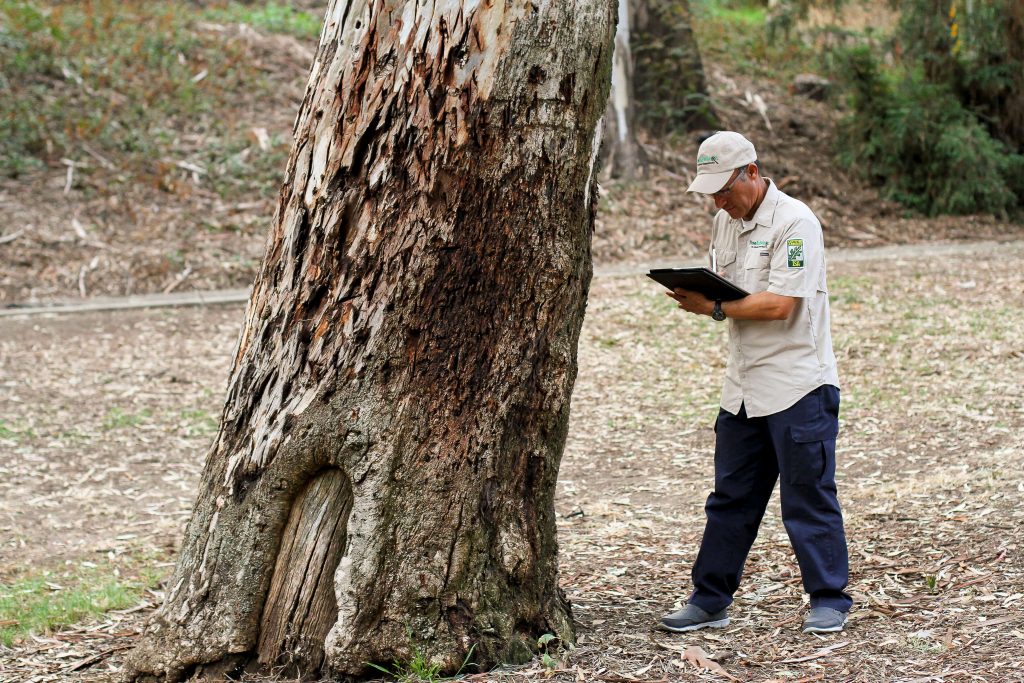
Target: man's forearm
(760,306)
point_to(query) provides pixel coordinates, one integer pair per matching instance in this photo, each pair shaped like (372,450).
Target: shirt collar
(766,212)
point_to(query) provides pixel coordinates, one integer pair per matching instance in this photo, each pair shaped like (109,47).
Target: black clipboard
(702,280)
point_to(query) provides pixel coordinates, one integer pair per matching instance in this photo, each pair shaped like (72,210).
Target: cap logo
(704,159)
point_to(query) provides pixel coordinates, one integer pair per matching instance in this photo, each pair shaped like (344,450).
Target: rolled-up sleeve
(798,260)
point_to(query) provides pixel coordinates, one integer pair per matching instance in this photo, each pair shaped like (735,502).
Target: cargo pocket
(807,453)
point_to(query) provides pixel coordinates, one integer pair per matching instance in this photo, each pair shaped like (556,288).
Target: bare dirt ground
(106,419)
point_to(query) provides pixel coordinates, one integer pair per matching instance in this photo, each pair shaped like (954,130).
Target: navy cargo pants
(798,446)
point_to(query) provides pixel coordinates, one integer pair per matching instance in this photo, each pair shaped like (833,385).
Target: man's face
(739,198)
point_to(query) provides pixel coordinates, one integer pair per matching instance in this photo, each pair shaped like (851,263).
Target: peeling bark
(398,403)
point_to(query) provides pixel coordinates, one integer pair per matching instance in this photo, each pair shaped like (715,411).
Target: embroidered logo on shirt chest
(795,253)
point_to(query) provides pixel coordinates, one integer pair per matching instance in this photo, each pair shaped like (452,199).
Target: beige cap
(717,158)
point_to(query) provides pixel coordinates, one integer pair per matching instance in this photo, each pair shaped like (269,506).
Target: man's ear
(752,170)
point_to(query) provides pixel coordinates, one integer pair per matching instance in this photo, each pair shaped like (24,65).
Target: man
(779,413)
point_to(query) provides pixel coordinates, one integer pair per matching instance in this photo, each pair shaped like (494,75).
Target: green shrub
(917,141)
(977,48)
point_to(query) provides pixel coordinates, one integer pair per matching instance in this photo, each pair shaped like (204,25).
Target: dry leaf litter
(108,417)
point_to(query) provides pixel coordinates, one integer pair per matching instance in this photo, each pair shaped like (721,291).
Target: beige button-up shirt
(775,363)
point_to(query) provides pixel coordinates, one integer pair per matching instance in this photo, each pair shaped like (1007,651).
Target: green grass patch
(738,35)
(14,433)
(118,419)
(272,17)
(751,15)
(850,289)
(198,422)
(419,669)
(45,601)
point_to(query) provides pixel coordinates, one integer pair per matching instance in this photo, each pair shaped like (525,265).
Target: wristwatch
(717,313)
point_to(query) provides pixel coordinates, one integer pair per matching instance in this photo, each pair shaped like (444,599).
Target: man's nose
(719,201)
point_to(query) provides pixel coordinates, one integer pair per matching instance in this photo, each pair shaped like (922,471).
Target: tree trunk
(621,154)
(672,92)
(382,482)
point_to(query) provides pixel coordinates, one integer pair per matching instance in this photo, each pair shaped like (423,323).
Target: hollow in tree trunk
(382,481)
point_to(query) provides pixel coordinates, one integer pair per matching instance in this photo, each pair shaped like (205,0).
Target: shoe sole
(721,623)
(825,629)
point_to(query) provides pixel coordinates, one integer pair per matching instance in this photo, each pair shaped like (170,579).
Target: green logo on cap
(707,159)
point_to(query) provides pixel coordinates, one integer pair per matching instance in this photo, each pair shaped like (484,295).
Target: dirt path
(104,422)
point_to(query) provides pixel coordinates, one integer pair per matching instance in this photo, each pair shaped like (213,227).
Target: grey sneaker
(824,620)
(691,618)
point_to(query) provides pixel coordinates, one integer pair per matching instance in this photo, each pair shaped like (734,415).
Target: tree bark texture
(672,93)
(621,153)
(382,482)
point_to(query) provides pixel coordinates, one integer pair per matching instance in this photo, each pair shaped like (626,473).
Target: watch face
(718,313)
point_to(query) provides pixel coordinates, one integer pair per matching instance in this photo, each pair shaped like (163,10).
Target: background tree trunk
(382,482)
(671,89)
(621,155)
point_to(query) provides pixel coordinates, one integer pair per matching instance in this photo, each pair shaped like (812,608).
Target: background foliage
(130,90)
(134,85)
(940,129)
(933,102)
(917,141)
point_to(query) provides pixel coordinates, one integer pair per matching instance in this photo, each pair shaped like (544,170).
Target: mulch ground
(107,417)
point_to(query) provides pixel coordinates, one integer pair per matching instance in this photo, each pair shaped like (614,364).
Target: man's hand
(694,302)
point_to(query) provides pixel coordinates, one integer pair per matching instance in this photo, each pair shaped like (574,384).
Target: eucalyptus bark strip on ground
(382,481)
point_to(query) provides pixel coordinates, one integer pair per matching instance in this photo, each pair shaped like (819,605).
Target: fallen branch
(82,289)
(13,236)
(104,162)
(177,281)
(85,663)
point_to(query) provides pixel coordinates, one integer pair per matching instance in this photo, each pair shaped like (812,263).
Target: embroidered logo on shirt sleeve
(795,251)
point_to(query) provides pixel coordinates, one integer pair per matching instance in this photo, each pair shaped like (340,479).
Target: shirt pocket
(726,260)
(757,266)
